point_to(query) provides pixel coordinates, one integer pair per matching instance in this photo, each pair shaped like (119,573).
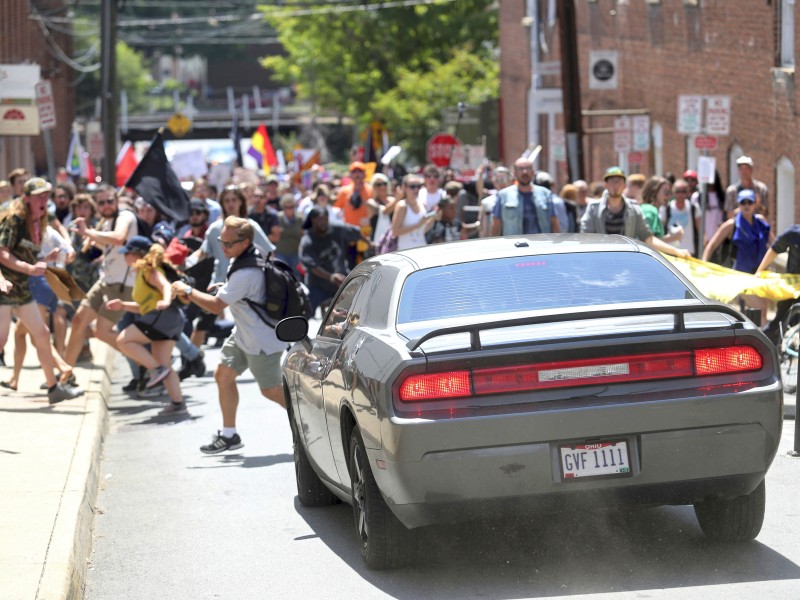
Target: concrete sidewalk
(49,463)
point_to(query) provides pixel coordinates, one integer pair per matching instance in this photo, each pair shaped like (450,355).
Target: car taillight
(715,361)
(574,373)
(435,386)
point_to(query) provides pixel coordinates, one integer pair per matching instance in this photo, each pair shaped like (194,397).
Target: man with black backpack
(253,344)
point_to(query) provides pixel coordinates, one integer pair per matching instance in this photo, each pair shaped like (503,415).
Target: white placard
(718,115)
(189,165)
(641,133)
(603,70)
(690,114)
(706,165)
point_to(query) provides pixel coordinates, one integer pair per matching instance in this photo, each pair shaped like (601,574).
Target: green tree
(402,64)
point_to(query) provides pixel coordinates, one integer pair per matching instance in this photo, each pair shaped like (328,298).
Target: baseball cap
(544,179)
(744,160)
(197,204)
(690,174)
(614,172)
(746,195)
(36,185)
(163,233)
(137,243)
(379,177)
(357,165)
(272,179)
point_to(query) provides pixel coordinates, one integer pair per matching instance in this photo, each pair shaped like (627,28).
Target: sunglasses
(414,186)
(378,184)
(198,212)
(746,202)
(432,177)
(229,245)
(104,202)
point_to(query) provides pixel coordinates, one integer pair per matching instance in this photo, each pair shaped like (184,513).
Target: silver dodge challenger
(519,375)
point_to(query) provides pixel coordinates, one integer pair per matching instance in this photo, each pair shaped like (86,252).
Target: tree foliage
(403,65)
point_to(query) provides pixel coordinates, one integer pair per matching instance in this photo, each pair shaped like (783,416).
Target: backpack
(285,295)
(668,215)
(387,243)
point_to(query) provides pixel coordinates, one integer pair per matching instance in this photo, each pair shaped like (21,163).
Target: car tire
(736,520)
(381,536)
(310,489)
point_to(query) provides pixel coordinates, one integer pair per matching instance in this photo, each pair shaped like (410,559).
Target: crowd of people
(130,260)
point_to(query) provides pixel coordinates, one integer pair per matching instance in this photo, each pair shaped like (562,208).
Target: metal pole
(796,451)
(51,161)
(109,88)
(570,83)
(276,112)
(533,113)
(461,108)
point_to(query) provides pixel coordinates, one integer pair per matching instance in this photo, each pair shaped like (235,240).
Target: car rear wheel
(310,489)
(736,520)
(381,536)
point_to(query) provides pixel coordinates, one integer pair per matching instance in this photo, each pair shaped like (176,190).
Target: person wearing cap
(616,214)
(197,224)
(690,177)
(352,201)
(744,164)
(287,248)
(22,231)
(17,179)
(272,194)
(524,208)
(749,232)
(158,322)
(323,254)
(115,228)
(252,345)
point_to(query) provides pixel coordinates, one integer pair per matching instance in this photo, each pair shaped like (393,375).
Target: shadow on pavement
(559,555)
(246,462)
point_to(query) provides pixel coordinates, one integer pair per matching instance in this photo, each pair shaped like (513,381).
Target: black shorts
(159,325)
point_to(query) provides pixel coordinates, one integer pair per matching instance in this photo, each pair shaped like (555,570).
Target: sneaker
(196,367)
(133,385)
(220,443)
(153,392)
(61,392)
(173,409)
(157,375)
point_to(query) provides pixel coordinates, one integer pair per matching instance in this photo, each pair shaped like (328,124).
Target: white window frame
(787,34)
(784,195)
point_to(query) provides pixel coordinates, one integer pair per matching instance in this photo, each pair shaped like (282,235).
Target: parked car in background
(522,375)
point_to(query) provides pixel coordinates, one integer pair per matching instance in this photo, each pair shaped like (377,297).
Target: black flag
(236,138)
(155,181)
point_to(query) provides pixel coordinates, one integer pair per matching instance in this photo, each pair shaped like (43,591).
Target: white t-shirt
(114,268)
(51,240)
(684,219)
(430,200)
(251,334)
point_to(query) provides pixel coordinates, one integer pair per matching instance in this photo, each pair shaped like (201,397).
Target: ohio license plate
(595,460)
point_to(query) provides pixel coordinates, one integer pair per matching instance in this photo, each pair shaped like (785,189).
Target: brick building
(665,48)
(23,41)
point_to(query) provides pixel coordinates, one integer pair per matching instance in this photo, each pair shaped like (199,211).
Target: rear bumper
(681,451)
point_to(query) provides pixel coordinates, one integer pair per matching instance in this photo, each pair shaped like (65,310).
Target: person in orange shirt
(352,201)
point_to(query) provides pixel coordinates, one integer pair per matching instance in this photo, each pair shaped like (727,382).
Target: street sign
(718,115)
(46,105)
(603,70)
(558,145)
(552,67)
(690,114)
(179,124)
(705,142)
(636,158)
(641,132)
(622,134)
(440,147)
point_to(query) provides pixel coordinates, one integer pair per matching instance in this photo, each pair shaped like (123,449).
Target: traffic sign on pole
(46,105)
(641,133)
(622,134)
(718,115)
(690,114)
(705,142)
(440,148)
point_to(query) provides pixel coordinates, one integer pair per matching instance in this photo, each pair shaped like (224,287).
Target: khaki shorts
(100,293)
(266,368)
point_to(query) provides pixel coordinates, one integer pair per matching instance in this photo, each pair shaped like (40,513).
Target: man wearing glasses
(252,345)
(116,227)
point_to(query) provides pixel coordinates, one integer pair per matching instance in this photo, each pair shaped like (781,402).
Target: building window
(784,195)
(787,33)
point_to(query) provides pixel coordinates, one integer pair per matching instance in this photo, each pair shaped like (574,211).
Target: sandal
(8,386)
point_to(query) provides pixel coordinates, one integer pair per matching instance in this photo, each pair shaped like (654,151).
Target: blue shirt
(530,223)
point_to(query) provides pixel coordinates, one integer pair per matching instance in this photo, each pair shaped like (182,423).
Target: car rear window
(536,283)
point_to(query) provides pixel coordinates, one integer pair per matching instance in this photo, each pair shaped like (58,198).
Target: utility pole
(108,89)
(570,84)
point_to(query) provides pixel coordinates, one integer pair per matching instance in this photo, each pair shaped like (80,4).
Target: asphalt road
(174,523)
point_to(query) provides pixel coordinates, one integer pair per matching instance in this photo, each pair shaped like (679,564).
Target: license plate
(595,460)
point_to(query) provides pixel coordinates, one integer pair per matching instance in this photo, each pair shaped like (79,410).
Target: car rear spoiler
(569,314)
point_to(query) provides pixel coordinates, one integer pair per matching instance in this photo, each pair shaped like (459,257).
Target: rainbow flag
(74,155)
(261,149)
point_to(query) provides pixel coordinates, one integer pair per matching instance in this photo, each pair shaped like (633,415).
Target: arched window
(658,148)
(784,195)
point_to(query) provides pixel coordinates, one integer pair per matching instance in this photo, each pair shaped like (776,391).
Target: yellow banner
(720,283)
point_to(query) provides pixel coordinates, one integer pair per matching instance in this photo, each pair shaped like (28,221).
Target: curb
(70,547)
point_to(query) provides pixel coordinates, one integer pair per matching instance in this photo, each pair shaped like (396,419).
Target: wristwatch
(188,290)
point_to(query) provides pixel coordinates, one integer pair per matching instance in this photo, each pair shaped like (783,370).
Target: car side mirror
(292,329)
